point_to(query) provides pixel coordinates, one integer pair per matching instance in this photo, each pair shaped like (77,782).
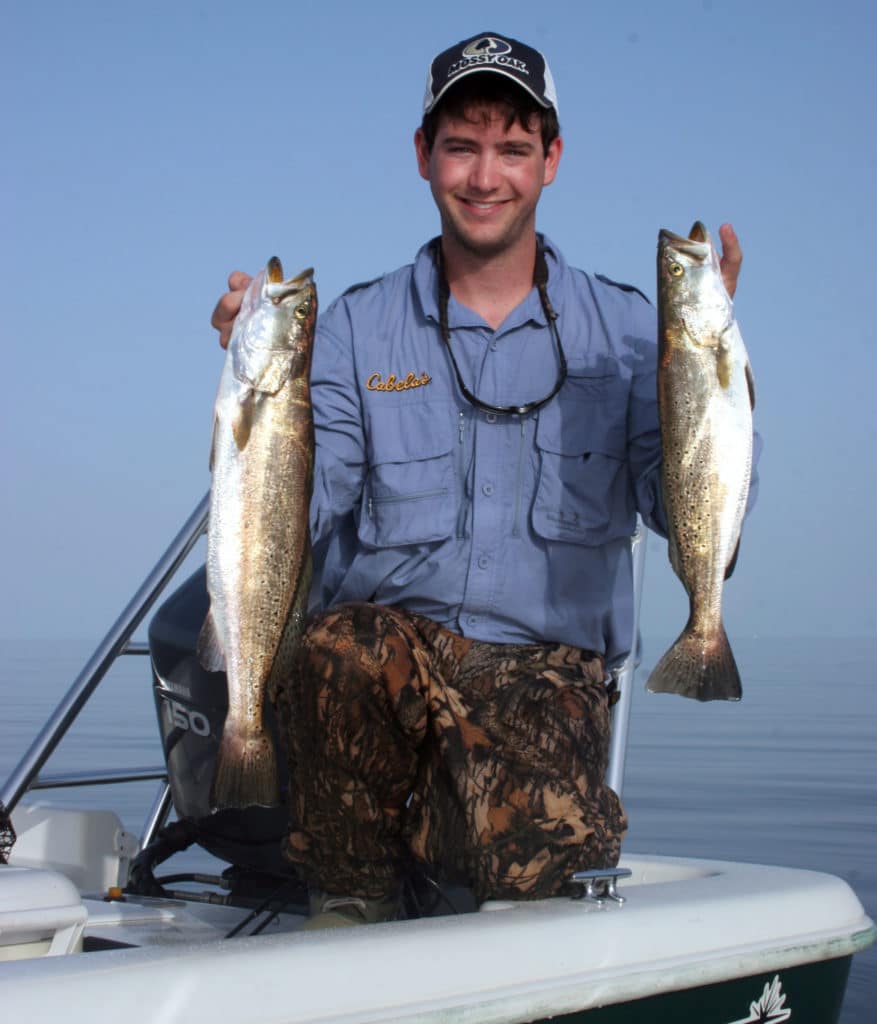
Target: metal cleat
(600,884)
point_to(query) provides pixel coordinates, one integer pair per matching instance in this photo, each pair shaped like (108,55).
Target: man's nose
(484,175)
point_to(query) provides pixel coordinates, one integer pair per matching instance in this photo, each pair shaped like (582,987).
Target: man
(486,425)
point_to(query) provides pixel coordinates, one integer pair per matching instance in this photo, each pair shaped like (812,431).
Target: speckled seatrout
(705,399)
(258,549)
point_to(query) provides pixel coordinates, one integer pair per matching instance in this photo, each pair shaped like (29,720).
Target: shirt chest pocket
(582,493)
(411,492)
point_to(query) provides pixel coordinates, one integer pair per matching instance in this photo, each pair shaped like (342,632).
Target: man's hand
(229,305)
(732,257)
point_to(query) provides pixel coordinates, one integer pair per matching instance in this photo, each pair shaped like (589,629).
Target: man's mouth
(478,204)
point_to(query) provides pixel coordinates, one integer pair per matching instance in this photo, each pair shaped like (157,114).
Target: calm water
(787,776)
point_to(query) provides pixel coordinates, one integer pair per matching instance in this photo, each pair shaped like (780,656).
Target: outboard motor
(192,705)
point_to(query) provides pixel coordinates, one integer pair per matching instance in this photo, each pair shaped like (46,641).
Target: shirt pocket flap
(406,433)
(585,419)
(411,490)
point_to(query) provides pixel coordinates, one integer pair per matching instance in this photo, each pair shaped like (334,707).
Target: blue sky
(151,148)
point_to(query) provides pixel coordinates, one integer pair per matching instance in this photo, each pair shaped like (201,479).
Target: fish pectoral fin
(724,367)
(750,383)
(724,363)
(242,422)
(210,652)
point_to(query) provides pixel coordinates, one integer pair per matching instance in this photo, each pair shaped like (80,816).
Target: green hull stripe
(810,994)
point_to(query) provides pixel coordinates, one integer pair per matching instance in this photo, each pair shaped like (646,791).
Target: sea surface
(787,776)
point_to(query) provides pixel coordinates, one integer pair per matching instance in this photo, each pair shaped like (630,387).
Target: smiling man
(486,166)
(487,431)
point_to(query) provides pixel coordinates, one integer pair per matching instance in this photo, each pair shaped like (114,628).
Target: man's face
(486,179)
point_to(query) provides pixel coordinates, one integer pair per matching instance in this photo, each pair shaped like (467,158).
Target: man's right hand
(229,305)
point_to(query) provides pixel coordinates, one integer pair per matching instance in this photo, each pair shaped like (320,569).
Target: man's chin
(484,245)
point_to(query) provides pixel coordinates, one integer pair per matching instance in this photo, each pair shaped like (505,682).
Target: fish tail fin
(246,771)
(699,667)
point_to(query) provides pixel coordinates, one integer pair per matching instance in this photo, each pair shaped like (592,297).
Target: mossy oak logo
(769,1008)
(487,50)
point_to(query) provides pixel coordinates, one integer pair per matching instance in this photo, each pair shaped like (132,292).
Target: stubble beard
(481,248)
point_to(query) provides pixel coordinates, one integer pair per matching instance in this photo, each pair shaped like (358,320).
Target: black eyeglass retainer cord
(540,282)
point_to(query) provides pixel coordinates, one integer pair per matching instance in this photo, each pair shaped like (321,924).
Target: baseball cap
(491,52)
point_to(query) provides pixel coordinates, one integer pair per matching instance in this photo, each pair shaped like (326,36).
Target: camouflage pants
(408,741)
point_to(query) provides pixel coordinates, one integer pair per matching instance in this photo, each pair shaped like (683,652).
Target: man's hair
(494,91)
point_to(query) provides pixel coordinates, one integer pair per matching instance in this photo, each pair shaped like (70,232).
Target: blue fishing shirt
(504,528)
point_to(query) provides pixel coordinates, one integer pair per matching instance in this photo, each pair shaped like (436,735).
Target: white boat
(90,932)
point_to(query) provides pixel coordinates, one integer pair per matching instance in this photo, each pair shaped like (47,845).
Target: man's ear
(422,151)
(552,159)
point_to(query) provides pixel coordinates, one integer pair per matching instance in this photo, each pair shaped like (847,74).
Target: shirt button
(487,489)
(472,620)
(493,346)
(483,562)
(491,417)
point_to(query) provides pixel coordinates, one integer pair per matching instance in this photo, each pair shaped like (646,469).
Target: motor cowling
(191,704)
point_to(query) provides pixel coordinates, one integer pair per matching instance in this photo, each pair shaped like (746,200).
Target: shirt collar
(425,283)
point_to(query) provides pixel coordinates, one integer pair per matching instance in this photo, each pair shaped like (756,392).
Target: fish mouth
(692,244)
(276,288)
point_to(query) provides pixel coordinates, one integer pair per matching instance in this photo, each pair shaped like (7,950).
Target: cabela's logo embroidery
(770,1008)
(377,383)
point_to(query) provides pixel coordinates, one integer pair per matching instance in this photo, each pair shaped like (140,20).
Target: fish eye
(676,269)
(302,311)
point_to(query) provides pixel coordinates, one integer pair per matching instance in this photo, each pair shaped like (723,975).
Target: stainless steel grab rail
(624,675)
(113,644)
(69,780)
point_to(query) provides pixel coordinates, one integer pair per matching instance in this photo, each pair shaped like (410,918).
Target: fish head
(285,307)
(274,330)
(691,293)
(293,302)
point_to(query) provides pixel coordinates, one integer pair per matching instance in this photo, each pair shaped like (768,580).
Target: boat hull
(692,934)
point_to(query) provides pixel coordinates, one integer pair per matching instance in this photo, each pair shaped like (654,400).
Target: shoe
(332,911)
